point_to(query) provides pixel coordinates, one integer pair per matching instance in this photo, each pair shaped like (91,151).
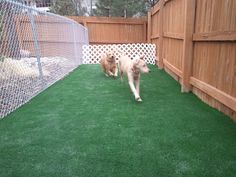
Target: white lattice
(92,53)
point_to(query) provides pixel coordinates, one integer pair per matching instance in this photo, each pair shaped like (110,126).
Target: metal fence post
(36,45)
(75,45)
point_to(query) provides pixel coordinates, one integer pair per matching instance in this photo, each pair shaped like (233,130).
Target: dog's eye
(144,65)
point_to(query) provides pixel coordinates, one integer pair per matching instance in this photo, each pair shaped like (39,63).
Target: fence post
(149,30)
(145,31)
(36,45)
(75,45)
(160,27)
(189,23)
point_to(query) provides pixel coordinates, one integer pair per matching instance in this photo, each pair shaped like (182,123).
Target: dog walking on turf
(133,68)
(108,64)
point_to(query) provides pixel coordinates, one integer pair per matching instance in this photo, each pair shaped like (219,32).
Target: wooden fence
(104,30)
(196,44)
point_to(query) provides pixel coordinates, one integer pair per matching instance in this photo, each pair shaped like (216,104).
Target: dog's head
(111,57)
(140,64)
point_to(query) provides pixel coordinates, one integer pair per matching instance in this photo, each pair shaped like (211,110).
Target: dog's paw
(110,74)
(139,99)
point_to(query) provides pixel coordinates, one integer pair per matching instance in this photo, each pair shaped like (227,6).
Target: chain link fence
(36,50)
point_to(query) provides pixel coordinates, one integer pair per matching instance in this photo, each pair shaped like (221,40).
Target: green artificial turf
(90,125)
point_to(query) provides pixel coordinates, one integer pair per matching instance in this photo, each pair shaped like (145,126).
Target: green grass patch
(89,125)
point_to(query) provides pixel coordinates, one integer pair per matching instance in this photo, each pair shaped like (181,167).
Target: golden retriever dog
(108,64)
(133,68)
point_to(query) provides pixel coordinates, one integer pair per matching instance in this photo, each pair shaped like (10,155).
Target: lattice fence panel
(92,53)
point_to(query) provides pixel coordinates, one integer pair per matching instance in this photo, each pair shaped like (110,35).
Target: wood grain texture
(188,44)
(173,52)
(213,41)
(104,30)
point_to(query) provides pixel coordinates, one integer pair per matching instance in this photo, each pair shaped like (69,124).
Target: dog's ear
(136,61)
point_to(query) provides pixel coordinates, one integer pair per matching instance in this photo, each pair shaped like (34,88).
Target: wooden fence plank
(215,36)
(155,36)
(188,44)
(160,47)
(149,28)
(172,68)
(226,99)
(104,30)
(173,35)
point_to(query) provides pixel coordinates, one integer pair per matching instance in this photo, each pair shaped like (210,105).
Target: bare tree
(68,7)
(151,3)
(78,7)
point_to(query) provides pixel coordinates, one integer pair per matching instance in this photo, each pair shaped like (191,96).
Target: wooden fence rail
(196,44)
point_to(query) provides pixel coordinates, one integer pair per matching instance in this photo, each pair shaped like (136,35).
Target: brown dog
(133,68)
(108,64)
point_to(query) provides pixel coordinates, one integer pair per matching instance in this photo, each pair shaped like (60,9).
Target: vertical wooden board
(25,35)
(51,49)
(215,15)
(160,33)
(226,71)
(173,52)
(58,49)
(173,16)
(149,27)
(144,30)
(104,30)
(214,63)
(46,35)
(26,31)
(233,89)
(204,62)
(116,33)
(156,42)
(189,23)
(155,19)
(46,32)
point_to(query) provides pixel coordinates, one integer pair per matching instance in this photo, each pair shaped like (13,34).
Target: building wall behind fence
(196,44)
(104,30)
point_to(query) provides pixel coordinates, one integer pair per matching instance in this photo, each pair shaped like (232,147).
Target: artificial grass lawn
(90,125)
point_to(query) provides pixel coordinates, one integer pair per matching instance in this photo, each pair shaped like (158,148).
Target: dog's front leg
(121,75)
(110,73)
(137,83)
(116,72)
(132,87)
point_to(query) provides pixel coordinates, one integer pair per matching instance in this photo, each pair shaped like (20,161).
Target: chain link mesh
(36,50)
